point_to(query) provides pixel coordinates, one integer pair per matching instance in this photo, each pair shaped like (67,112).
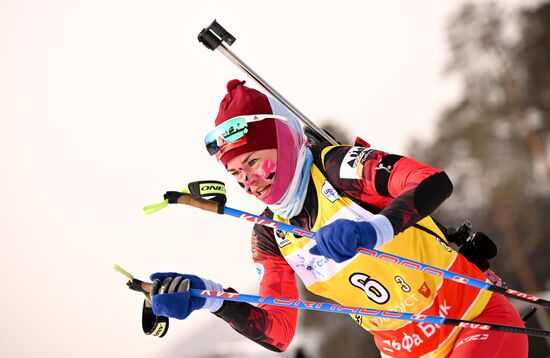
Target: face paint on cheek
(246,183)
(245,187)
(267,171)
(243,180)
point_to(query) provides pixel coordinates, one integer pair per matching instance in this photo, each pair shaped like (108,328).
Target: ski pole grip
(200,203)
(140,286)
(146,287)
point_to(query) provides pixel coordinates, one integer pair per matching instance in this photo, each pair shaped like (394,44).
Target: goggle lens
(232,130)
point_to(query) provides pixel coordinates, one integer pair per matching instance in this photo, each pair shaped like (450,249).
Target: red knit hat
(242,100)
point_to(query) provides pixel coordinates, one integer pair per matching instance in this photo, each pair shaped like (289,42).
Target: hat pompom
(231,85)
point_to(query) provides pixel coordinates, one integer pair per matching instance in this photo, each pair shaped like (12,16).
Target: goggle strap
(230,145)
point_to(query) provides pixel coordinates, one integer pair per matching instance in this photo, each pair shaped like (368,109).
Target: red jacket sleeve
(400,188)
(270,326)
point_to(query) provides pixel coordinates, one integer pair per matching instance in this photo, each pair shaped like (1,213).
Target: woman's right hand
(170,294)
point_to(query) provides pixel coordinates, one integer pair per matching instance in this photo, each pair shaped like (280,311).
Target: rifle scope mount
(213,35)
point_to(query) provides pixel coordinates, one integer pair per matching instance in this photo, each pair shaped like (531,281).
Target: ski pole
(145,287)
(214,36)
(213,206)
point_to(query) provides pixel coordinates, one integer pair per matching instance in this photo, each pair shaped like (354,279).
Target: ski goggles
(231,133)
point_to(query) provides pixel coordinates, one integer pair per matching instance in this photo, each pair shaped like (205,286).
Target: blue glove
(340,240)
(171,297)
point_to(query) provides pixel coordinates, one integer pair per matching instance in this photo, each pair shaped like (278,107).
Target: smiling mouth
(262,192)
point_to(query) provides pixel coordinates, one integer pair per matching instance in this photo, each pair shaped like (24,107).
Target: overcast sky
(104,106)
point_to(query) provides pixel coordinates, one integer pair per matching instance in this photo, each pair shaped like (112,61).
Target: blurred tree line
(494,142)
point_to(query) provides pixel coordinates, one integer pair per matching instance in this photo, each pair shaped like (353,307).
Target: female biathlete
(351,196)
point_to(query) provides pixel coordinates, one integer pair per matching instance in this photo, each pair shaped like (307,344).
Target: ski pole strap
(211,190)
(153,325)
(153,208)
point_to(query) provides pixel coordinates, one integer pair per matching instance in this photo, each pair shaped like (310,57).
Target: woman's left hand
(340,240)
